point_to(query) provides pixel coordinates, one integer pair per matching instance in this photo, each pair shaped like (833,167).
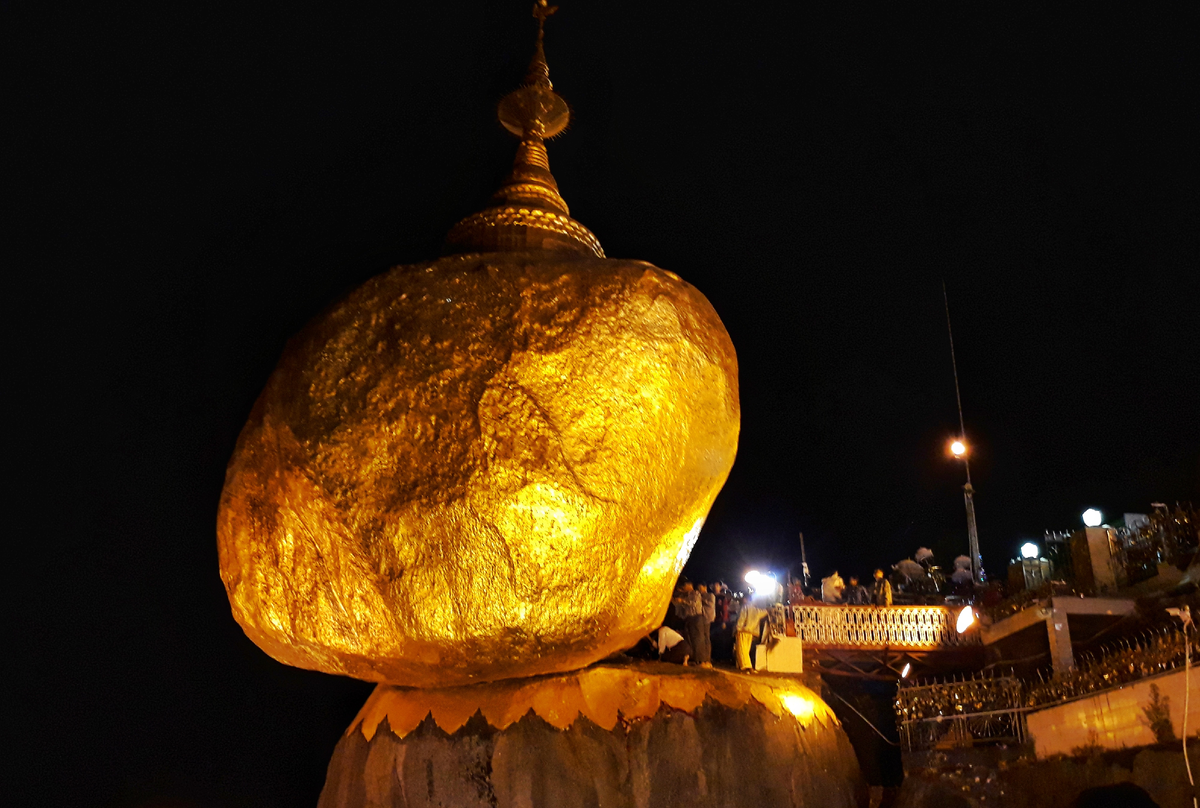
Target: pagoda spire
(528,212)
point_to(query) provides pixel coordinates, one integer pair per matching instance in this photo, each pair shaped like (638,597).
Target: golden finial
(530,213)
(539,71)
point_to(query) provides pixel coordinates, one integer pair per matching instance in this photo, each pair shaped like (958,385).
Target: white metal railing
(880,626)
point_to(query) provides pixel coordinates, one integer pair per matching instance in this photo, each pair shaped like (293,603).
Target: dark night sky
(194,183)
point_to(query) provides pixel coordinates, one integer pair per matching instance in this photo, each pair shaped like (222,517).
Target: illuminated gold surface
(483,467)
(604,694)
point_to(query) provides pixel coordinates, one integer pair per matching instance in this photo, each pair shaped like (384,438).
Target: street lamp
(762,584)
(1092,517)
(1029,550)
(959,450)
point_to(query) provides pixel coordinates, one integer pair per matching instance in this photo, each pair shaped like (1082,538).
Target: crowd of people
(707,622)
(836,591)
(710,621)
(916,580)
(699,626)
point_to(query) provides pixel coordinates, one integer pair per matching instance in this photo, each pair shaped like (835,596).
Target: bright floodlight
(907,668)
(965,618)
(958,448)
(1029,550)
(1092,517)
(752,578)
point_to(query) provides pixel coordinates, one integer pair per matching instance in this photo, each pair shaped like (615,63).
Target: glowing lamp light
(799,706)
(966,618)
(1092,517)
(958,448)
(907,669)
(760,581)
(1029,550)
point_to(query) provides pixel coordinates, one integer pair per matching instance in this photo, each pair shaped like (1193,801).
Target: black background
(192,183)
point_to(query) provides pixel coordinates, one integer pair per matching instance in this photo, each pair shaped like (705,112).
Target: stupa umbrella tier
(477,468)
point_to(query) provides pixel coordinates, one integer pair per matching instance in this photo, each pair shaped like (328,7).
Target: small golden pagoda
(487,466)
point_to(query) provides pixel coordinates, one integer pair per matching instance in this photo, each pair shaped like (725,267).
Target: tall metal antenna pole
(968,489)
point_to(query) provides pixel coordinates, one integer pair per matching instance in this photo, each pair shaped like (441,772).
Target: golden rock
(492,465)
(482,467)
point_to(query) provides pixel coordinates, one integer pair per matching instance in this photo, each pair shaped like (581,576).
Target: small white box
(783,655)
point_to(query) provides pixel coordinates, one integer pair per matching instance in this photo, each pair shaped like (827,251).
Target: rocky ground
(1010,777)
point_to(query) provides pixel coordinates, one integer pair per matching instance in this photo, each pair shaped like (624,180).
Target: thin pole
(968,489)
(804,563)
(962,429)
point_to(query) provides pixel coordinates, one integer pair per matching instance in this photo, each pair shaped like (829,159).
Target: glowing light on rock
(685,547)
(1092,517)
(799,706)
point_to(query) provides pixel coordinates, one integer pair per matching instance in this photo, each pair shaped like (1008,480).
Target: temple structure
(472,480)
(491,465)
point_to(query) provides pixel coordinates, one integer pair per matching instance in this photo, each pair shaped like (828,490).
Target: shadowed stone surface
(714,756)
(984,777)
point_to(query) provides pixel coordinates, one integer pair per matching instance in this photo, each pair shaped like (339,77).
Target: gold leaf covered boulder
(488,466)
(483,467)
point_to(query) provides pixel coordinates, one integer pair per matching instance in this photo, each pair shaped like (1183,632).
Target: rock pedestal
(635,735)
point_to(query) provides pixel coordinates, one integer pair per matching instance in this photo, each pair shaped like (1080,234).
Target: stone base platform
(641,735)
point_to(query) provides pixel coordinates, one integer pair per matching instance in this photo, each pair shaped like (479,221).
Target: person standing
(749,625)
(831,588)
(708,606)
(734,602)
(721,637)
(881,590)
(856,593)
(691,608)
(722,602)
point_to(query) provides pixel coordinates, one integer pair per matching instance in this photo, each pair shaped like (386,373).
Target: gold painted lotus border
(605,694)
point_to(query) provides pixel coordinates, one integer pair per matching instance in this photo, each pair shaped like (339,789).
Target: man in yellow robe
(748,627)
